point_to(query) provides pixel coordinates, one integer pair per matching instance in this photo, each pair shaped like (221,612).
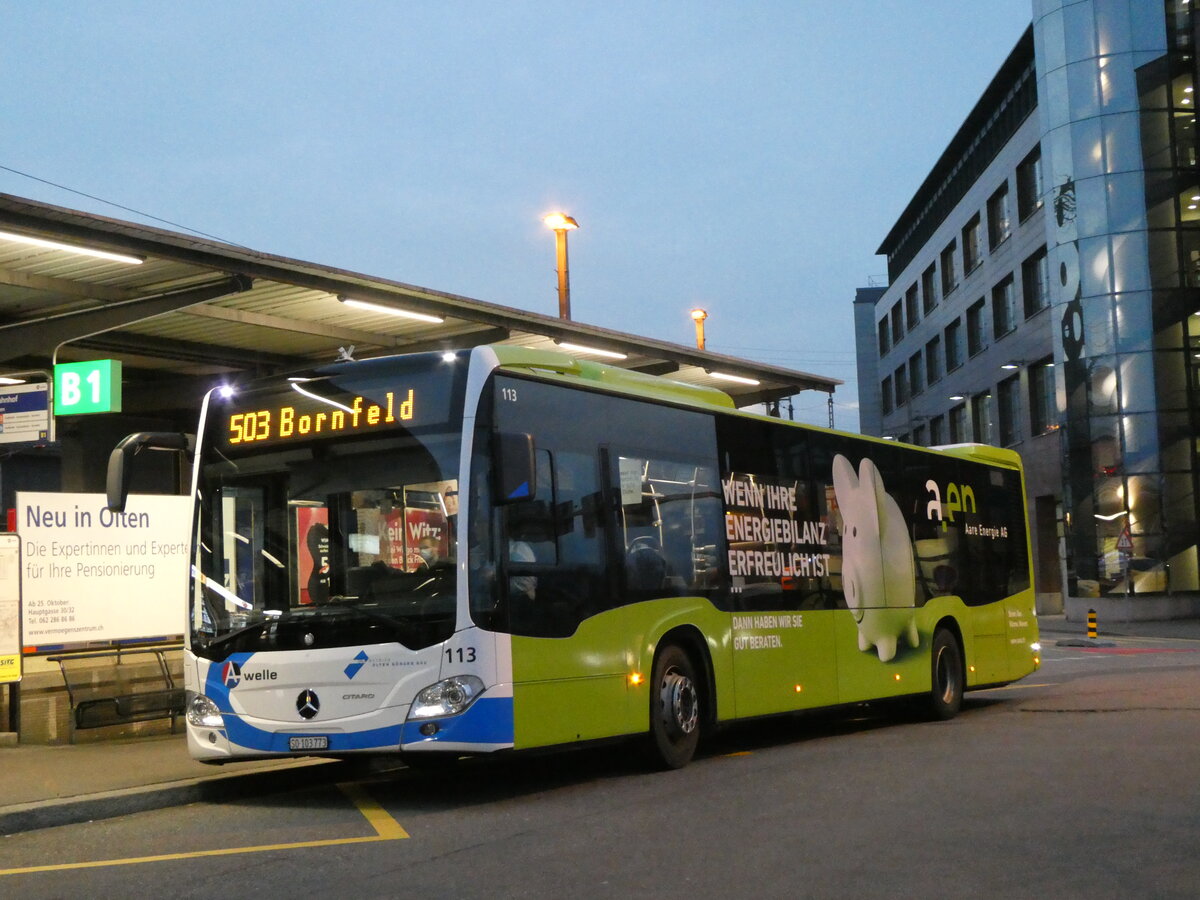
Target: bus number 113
(460,654)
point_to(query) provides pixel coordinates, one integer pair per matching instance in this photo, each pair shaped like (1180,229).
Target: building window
(897,323)
(919,436)
(1035,283)
(975,335)
(999,218)
(901,381)
(1010,410)
(933,352)
(885,393)
(949,276)
(1029,184)
(981,413)
(1042,408)
(883,337)
(929,294)
(1004,307)
(954,347)
(937,431)
(910,308)
(970,245)
(916,374)
(958,424)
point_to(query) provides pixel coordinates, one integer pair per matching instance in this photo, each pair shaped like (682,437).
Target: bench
(121,700)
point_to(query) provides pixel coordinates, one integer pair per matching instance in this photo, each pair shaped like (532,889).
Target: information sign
(89,574)
(24,413)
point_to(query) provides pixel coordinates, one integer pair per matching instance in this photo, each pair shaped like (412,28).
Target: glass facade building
(1116,99)
(1100,351)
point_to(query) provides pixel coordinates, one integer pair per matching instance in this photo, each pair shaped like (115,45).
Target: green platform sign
(87,387)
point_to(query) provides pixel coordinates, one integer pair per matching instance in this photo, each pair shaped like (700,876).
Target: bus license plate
(309,743)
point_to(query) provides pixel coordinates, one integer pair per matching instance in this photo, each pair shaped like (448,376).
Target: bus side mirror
(513,465)
(120,461)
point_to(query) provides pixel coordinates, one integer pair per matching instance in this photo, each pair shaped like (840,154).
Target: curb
(215,788)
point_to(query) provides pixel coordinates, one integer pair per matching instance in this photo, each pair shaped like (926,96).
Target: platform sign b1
(87,387)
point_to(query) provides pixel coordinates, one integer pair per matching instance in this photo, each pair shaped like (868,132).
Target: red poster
(426,538)
(391,550)
(312,556)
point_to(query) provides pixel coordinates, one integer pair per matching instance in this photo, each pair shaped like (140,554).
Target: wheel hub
(680,705)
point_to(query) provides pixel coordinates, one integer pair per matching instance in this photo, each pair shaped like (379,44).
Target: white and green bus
(503,549)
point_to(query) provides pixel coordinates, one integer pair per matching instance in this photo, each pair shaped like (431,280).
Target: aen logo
(958,499)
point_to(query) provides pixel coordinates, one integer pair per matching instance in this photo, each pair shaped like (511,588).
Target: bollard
(1091,624)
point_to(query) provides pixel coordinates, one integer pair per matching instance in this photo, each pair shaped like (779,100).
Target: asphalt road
(1081,781)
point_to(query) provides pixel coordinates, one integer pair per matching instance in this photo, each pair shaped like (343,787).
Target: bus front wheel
(675,712)
(946,692)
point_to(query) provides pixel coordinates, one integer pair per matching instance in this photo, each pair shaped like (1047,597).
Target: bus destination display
(286,419)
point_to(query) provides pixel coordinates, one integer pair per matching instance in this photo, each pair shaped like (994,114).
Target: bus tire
(948,676)
(675,708)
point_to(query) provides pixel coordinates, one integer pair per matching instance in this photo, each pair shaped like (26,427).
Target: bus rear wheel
(946,660)
(675,708)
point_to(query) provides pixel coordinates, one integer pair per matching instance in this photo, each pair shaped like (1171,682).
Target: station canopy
(182,313)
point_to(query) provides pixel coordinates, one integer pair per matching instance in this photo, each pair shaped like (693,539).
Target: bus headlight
(203,713)
(448,697)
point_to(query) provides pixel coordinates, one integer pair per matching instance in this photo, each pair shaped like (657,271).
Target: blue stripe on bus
(488,721)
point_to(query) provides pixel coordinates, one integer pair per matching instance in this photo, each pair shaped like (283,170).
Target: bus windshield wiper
(347,601)
(233,635)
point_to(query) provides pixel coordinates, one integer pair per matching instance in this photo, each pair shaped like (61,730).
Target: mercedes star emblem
(307,704)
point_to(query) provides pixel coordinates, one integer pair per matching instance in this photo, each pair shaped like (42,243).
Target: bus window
(784,550)
(669,527)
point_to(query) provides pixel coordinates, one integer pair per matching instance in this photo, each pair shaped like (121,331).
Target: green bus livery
(504,548)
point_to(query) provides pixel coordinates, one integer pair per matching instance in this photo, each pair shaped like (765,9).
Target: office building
(1043,296)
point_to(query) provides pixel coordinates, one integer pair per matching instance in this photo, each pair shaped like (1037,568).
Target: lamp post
(698,316)
(561,224)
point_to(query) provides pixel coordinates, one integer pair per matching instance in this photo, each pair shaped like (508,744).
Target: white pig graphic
(878,573)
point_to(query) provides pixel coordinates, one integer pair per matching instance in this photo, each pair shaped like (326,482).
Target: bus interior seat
(933,566)
(645,567)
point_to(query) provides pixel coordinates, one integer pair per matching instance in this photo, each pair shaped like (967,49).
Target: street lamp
(698,316)
(561,225)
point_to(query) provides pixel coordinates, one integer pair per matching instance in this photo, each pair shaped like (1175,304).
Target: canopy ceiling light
(596,351)
(392,311)
(70,248)
(737,378)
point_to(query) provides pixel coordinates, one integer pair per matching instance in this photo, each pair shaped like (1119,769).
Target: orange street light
(561,224)
(698,316)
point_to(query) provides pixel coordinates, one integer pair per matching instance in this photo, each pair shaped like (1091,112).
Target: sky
(744,156)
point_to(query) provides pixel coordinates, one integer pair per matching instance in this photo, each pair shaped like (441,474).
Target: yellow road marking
(385,826)
(386,829)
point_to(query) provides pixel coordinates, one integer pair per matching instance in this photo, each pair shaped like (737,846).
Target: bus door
(569,637)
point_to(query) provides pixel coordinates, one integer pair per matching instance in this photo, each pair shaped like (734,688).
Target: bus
(505,548)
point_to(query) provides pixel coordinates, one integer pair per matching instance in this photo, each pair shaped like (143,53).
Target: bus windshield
(326,514)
